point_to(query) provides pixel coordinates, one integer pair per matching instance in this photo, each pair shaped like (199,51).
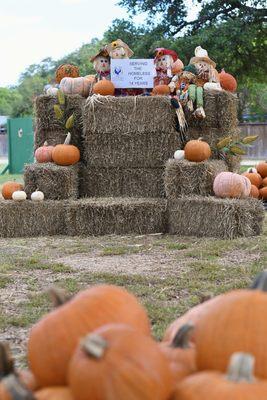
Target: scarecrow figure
(101,63)
(206,68)
(164,60)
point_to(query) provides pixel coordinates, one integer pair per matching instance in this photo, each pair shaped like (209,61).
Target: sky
(31,30)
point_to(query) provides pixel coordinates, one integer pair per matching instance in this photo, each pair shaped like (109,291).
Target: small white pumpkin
(52,91)
(37,196)
(179,155)
(19,195)
(212,86)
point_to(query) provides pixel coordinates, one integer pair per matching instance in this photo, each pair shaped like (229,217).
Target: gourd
(179,155)
(53,339)
(104,88)
(235,323)
(262,169)
(66,154)
(120,363)
(254,177)
(181,353)
(161,90)
(44,153)
(263,193)
(227,81)
(19,195)
(197,150)
(177,67)
(254,192)
(81,86)
(37,196)
(229,184)
(9,188)
(66,70)
(238,383)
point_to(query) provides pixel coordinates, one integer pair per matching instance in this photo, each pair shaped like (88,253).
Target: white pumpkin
(52,91)
(212,86)
(19,195)
(37,196)
(179,155)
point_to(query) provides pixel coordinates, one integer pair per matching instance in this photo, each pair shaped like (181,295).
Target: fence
(3,145)
(259,148)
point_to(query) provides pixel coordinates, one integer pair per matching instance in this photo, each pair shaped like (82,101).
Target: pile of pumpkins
(70,82)
(13,190)
(98,345)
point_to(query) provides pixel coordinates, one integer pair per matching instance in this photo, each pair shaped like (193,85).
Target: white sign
(130,73)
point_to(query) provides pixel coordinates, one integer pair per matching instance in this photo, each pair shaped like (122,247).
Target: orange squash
(181,353)
(118,362)
(161,90)
(66,154)
(254,192)
(66,70)
(9,188)
(236,323)
(53,339)
(238,383)
(54,393)
(44,153)
(227,81)
(264,182)
(197,150)
(262,169)
(263,193)
(254,177)
(104,88)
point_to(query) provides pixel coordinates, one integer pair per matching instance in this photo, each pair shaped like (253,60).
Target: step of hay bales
(30,218)
(185,178)
(213,217)
(121,182)
(55,181)
(49,128)
(102,216)
(130,150)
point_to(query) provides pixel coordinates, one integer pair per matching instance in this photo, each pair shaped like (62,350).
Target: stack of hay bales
(127,141)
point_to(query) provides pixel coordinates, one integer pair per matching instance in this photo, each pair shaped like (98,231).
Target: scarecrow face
(164,62)
(118,52)
(203,68)
(102,64)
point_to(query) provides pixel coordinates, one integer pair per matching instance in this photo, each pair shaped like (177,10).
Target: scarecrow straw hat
(102,53)
(119,43)
(201,55)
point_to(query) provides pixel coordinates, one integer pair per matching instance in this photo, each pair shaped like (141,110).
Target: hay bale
(185,178)
(102,216)
(214,217)
(121,182)
(29,218)
(55,181)
(48,127)
(134,150)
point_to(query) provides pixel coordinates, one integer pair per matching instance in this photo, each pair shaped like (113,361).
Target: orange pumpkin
(66,70)
(229,184)
(254,192)
(263,193)
(44,153)
(197,150)
(53,339)
(262,169)
(9,188)
(235,324)
(104,88)
(54,393)
(181,353)
(264,182)
(161,90)
(66,154)
(238,383)
(118,362)
(227,81)
(254,177)
(81,86)
(177,66)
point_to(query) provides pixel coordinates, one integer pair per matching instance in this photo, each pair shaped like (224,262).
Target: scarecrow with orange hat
(164,60)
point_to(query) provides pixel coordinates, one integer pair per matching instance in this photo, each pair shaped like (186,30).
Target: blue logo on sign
(118,70)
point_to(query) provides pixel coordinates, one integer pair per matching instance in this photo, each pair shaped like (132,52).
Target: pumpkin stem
(15,389)
(241,368)
(58,296)
(45,143)
(94,345)
(68,138)
(260,282)
(182,337)
(6,360)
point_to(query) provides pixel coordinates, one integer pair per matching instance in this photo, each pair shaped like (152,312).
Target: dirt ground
(168,274)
